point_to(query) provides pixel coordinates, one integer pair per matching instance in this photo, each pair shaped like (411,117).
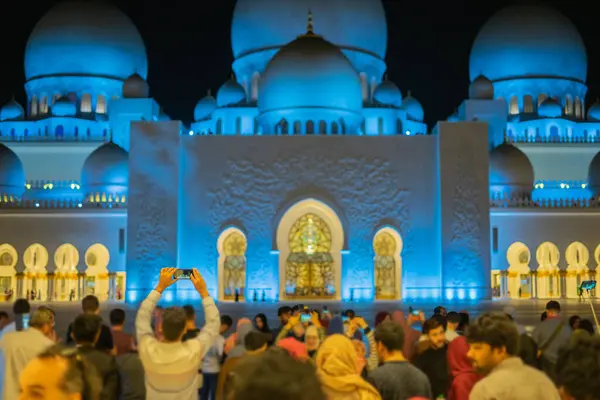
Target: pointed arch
(387,246)
(518,256)
(8,261)
(97,258)
(86,103)
(101,104)
(231,246)
(547,273)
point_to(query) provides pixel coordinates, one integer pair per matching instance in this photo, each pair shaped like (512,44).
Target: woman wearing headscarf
(411,336)
(382,317)
(297,350)
(312,340)
(361,353)
(232,339)
(262,325)
(234,356)
(296,329)
(338,367)
(367,336)
(461,368)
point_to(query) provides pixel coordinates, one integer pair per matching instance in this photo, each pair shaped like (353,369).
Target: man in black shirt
(91,306)
(191,329)
(433,361)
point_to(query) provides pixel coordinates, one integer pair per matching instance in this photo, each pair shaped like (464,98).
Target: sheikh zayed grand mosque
(309,175)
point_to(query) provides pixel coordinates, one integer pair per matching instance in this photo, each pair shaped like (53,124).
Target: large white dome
(260,25)
(12,174)
(106,170)
(528,41)
(85,38)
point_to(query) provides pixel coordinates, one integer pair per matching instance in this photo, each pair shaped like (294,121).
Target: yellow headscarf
(337,368)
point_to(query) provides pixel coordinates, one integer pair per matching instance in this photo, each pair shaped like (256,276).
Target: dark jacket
(106,366)
(434,364)
(131,372)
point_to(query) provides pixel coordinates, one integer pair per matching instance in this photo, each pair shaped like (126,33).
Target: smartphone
(413,311)
(305,318)
(344,318)
(183,274)
(325,310)
(21,322)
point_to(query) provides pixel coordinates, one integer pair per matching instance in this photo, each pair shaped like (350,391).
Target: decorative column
(20,277)
(534,293)
(563,284)
(112,285)
(592,277)
(503,284)
(51,286)
(80,285)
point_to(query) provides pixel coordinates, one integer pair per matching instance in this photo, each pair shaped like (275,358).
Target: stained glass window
(234,265)
(385,265)
(309,269)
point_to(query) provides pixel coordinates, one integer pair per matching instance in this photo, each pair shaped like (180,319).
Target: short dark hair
(117,317)
(438,310)
(254,340)
(190,312)
(453,317)
(578,367)
(431,324)
(391,335)
(90,304)
(21,306)
(80,376)
(553,305)
(495,329)
(274,374)
(226,320)
(573,319)
(3,314)
(41,316)
(587,325)
(85,328)
(350,314)
(283,310)
(174,321)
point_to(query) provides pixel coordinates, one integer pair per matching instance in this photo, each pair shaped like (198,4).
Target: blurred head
(173,324)
(552,308)
(43,320)
(453,321)
(435,333)
(3,319)
(90,305)
(586,325)
(255,342)
(337,357)
(492,339)
(464,321)
(298,330)
(21,306)
(439,310)
(284,313)
(350,314)
(86,329)
(311,338)
(389,337)
(574,322)
(59,373)
(274,374)
(190,313)
(117,317)
(578,368)
(382,317)
(226,324)
(260,322)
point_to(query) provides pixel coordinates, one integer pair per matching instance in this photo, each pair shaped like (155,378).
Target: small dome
(106,170)
(510,170)
(12,111)
(136,87)
(481,89)
(64,107)
(414,109)
(230,94)
(550,108)
(205,107)
(594,112)
(388,93)
(12,174)
(310,72)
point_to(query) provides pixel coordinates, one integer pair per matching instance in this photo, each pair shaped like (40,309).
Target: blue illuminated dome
(106,170)
(12,174)
(594,175)
(64,107)
(528,41)
(413,108)
(205,107)
(594,112)
(387,93)
(481,89)
(550,108)
(85,38)
(230,94)
(310,72)
(511,171)
(136,87)
(12,111)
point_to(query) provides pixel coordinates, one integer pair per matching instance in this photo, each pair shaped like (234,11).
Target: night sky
(189,47)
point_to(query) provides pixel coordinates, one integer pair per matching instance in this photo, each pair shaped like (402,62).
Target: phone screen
(415,313)
(344,318)
(183,274)
(305,318)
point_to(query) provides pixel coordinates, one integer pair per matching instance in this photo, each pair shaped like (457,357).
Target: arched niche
(326,229)
(8,261)
(66,259)
(35,284)
(232,245)
(548,277)
(387,246)
(97,258)
(547,256)
(577,256)
(518,256)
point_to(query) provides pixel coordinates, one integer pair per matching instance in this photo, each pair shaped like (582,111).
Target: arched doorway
(387,245)
(548,272)
(97,258)
(232,245)
(35,285)
(310,238)
(8,261)
(577,256)
(519,278)
(66,259)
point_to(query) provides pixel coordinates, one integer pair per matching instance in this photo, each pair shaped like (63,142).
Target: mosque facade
(309,175)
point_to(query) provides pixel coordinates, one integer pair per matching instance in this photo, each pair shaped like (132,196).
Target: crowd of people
(311,355)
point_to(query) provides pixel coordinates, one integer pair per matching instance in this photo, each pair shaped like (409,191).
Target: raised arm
(143,328)
(209,333)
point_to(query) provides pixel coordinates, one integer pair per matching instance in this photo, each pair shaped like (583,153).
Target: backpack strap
(552,337)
